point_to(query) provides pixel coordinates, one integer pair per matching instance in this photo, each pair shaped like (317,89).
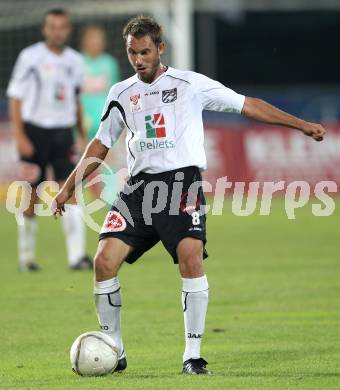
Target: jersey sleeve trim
(115,103)
(112,104)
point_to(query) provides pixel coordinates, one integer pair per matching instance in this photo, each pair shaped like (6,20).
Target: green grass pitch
(273,319)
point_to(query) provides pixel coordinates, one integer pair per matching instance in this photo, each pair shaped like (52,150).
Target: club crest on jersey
(114,222)
(169,95)
(135,103)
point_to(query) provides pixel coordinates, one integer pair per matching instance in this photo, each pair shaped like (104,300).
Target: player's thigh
(190,257)
(182,235)
(111,253)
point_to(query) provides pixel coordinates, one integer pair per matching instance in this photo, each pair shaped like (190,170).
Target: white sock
(26,240)
(195,303)
(108,299)
(74,232)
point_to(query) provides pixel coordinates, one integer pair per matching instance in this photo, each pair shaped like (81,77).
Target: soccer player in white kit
(161,108)
(44,107)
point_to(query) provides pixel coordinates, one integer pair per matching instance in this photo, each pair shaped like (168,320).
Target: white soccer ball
(93,354)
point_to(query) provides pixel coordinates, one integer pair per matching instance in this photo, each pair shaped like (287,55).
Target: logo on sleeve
(169,95)
(114,222)
(135,103)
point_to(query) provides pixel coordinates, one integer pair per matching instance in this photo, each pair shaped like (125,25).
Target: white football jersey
(47,84)
(164,119)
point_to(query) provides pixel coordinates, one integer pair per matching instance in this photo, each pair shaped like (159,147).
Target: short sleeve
(112,123)
(20,76)
(214,96)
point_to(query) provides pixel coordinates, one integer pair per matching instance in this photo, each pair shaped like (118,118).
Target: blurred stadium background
(282,51)
(274,317)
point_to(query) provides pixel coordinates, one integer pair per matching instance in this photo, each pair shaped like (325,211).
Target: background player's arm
(264,112)
(24,145)
(94,149)
(80,124)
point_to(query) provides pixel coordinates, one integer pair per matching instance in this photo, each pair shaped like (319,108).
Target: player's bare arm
(24,145)
(94,149)
(264,112)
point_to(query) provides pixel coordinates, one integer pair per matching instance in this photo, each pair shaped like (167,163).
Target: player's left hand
(314,130)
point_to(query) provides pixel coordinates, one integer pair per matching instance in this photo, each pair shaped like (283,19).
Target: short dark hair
(143,25)
(57,12)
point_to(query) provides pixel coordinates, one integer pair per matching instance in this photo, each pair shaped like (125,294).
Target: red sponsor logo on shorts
(114,222)
(189,202)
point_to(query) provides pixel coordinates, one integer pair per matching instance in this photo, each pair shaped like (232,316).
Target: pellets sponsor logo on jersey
(169,95)
(155,130)
(114,222)
(155,144)
(155,126)
(135,103)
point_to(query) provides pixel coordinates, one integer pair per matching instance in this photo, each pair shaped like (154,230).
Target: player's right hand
(58,203)
(314,130)
(25,147)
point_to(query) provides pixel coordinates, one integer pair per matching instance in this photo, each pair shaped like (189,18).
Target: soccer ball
(93,354)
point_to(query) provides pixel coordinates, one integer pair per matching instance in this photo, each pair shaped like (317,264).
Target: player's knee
(191,266)
(104,265)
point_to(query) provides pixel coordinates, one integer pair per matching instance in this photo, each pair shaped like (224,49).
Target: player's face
(56,30)
(144,56)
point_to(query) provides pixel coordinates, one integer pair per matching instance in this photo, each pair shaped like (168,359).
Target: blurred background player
(101,72)
(44,109)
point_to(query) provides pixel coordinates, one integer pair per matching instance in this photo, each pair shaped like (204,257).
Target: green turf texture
(273,319)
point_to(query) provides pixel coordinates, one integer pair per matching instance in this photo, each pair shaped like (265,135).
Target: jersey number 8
(195,218)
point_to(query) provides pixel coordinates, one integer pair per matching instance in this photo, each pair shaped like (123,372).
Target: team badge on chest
(169,95)
(135,103)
